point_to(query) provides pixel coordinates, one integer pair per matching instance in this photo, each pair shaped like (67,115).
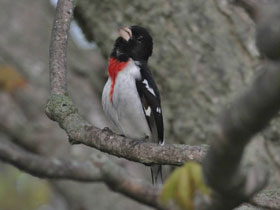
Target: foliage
(182,184)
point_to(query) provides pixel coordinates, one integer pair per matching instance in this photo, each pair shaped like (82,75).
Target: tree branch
(44,167)
(118,180)
(248,115)
(99,169)
(61,109)
(245,117)
(58,46)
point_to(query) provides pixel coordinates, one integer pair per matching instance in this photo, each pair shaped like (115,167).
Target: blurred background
(204,56)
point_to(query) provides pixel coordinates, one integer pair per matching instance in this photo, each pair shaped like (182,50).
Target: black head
(134,42)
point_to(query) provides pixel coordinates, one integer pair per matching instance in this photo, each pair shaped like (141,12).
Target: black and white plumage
(130,98)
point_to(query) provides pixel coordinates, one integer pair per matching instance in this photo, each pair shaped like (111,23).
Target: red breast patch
(115,66)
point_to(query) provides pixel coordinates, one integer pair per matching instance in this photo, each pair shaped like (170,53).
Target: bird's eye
(139,38)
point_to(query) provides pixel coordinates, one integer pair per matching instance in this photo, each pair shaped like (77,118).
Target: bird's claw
(140,141)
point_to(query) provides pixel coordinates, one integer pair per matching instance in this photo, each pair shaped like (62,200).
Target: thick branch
(142,152)
(58,49)
(248,115)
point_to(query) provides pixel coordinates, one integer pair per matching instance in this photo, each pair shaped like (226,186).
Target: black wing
(150,99)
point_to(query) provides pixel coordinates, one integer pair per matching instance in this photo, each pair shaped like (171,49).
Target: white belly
(125,110)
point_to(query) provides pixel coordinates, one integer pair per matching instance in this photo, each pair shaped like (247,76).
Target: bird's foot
(145,139)
(139,141)
(106,129)
(73,141)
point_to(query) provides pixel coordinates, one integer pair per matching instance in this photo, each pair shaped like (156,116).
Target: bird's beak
(125,33)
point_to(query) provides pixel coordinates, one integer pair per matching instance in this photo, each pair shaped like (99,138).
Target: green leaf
(180,187)
(185,190)
(169,188)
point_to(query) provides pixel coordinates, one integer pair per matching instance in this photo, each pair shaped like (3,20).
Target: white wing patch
(158,110)
(148,111)
(148,87)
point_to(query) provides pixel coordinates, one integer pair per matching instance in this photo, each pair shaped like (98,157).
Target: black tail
(156,172)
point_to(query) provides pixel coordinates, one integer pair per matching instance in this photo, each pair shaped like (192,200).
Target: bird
(130,97)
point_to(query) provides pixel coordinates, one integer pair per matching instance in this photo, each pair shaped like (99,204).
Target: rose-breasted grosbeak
(130,97)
